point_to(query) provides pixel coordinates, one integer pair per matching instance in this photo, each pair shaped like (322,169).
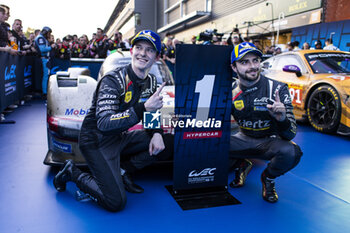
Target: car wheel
(324,109)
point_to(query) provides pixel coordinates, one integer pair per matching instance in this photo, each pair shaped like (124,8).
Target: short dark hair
(3,10)
(6,8)
(329,40)
(100,29)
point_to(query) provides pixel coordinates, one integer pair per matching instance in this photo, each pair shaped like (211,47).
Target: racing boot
(129,184)
(241,173)
(268,189)
(64,176)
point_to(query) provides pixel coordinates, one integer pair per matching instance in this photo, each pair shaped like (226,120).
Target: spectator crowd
(15,42)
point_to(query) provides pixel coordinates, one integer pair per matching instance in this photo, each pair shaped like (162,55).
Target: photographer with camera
(117,42)
(235,37)
(210,36)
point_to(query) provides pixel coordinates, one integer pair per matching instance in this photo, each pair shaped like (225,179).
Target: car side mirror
(265,65)
(292,69)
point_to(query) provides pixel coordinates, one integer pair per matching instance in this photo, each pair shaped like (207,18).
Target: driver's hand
(156,144)
(155,102)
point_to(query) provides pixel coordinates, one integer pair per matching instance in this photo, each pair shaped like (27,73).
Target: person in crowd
(232,39)
(235,39)
(7,11)
(306,46)
(12,41)
(169,54)
(193,40)
(37,32)
(4,47)
(216,40)
(43,47)
(296,45)
(263,110)
(117,42)
(32,50)
(17,33)
(122,43)
(54,47)
(64,51)
(269,49)
(81,50)
(100,45)
(75,41)
(118,104)
(290,46)
(257,44)
(86,38)
(93,38)
(330,46)
(318,44)
(277,51)
(224,39)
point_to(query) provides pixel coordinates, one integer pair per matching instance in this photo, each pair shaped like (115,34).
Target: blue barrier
(340,32)
(19,75)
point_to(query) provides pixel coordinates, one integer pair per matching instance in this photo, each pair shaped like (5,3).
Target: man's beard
(245,77)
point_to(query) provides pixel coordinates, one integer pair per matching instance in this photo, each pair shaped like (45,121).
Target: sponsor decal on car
(296,93)
(76,112)
(338,77)
(64,147)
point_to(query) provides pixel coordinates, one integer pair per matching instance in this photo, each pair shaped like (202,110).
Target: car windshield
(329,63)
(159,70)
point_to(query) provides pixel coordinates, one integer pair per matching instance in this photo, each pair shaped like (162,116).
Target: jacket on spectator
(100,47)
(3,35)
(43,45)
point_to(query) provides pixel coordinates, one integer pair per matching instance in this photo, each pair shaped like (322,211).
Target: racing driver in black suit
(120,99)
(263,110)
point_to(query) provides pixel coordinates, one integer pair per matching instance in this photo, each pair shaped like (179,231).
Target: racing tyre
(324,109)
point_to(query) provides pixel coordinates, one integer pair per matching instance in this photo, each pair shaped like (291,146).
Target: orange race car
(319,84)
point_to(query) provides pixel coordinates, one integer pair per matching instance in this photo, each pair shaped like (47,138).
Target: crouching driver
(263,110)
(118,104)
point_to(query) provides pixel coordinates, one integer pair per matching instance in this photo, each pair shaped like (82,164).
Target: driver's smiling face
(143,55)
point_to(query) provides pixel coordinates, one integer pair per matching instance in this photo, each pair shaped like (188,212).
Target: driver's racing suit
(261,136)
(117,105)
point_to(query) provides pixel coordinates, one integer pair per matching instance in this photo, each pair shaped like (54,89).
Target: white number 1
(205,88)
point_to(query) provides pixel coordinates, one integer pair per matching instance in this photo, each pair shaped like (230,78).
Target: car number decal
(295,94)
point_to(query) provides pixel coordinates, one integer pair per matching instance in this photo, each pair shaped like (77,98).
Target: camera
(207,36)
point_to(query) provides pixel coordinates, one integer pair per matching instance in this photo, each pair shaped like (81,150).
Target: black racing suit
(261,136)
(117,105)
